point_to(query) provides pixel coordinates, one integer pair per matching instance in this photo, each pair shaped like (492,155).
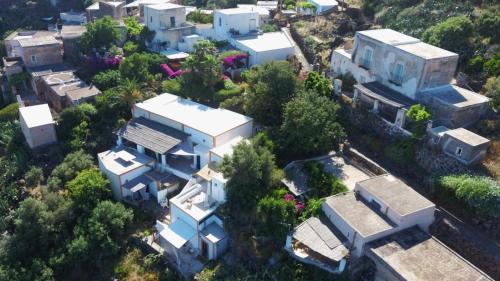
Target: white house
(323,5)
(37,125)
(229,23)
(172,142)
(169,23)
(266,47)
(240,27)
(263,12)
(378,207)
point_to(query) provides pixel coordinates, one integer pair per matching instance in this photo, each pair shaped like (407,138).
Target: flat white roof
(467,136)
(426,51)
(253,8)
(267,42)
(165,6)
(36,115)
(120,161)
(325,3)
(389,36)
(235,11)
(145,2)
(178,233)
(194,115)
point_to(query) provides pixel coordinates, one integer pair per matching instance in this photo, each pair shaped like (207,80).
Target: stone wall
(434,161)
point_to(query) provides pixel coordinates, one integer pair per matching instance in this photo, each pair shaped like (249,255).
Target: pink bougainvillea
(299,206)
(234,61)
(96,64)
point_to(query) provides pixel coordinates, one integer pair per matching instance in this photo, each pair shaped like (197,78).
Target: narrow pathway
(298,52)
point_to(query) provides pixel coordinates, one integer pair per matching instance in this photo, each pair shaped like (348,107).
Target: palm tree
(131,92)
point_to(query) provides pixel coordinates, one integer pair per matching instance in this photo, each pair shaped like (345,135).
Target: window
(151,19)
(367,58)
(375,205)
(458,152)
(220,21)
(172,21)
(33,59)
(397,76)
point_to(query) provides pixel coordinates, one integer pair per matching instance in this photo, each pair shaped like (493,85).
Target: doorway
(253,25)
(204,249)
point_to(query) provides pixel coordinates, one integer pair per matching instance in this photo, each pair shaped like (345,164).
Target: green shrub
(33,176)
(481,194)
(418,117)
(9,113)
(321,183)
(492,91)
(18,79)
(172,86)
(267,27)
(107,79)
(492,66)
(401,152)
(475,65)
(199,17)
(130,48)
(230,90)
(488,25)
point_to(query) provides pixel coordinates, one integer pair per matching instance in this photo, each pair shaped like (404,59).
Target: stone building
(100,9)
(37,125)
(394,71)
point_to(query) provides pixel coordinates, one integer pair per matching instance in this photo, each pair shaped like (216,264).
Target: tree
(203,68)
(134,28)
(270,87)
(141,67)
(251,172)
(453,34)
(100,236)
(319,84)
(488,25)
(88,188)
(102,33)
(34,176)
(130,47)
(131,92)
(492,91)
(419,117)
(310,125)
(107,79)
(492,66)
(73,116)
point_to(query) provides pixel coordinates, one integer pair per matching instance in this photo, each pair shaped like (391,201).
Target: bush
(492,91)
(401,152)
(230,90)
(130,47)
(107,79)
(320,183)
(267,27)
(172,86)
(492,66)
(199,17)
(488,25)
(9,113)
(33,176)
(475,65)
(418,117)
(481,194)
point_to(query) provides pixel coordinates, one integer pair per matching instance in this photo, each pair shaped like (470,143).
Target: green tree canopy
(310,125)
(134,28)
(107,79)
(492,91)
(88,188)
(100,236)
(453,34)
(203,68)
(419,117)
(318,83)
(270,87)
(102,33)
(488,25)
(72,164)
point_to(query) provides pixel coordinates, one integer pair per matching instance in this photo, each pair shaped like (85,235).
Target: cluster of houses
(168,154)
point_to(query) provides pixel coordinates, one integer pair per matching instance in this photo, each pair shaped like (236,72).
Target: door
(253,25)
(198,162)
(204,249)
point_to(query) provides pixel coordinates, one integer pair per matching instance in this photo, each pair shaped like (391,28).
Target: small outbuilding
(266,47)
(37,125)
(461,144)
